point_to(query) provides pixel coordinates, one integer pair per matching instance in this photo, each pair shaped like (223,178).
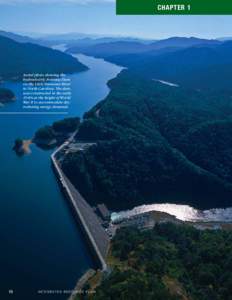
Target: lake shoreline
(31,204)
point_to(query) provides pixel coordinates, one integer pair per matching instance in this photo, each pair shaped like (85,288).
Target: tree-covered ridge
(18,58)
(142,154)
(217,144)
(57,132)
(170,262)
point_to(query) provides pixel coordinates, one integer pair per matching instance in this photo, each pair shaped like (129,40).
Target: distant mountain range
(228,38)
(74,38)
(16,37)
(70,39)
(22,38)
(111,48)
(202,67)
(18,58)
(183,42)
(191,62)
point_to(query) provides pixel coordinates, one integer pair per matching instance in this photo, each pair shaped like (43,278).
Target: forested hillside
(18,58)
(169,262)
(145,152)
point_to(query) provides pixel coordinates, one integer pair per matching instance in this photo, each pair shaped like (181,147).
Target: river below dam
(42,248)
(184,213)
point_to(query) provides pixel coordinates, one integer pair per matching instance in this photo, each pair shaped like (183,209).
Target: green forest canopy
(144,151)
(170,262)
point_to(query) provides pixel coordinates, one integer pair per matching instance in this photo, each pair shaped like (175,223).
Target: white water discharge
(181,212)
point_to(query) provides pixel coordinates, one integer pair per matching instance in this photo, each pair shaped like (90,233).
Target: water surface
(41,245)
(181,212)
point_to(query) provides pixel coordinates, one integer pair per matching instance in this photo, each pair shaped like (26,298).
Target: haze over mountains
(192,62)
(18,58)
(108,49)
(16,37)
(70,39)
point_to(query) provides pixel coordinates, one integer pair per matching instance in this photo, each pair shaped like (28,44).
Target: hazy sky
(99,17)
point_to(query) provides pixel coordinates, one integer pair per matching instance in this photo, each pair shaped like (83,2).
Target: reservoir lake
(42,247)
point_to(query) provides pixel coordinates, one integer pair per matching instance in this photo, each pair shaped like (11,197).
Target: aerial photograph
(115,153)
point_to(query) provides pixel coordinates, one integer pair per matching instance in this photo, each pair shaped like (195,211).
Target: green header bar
(174,7)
